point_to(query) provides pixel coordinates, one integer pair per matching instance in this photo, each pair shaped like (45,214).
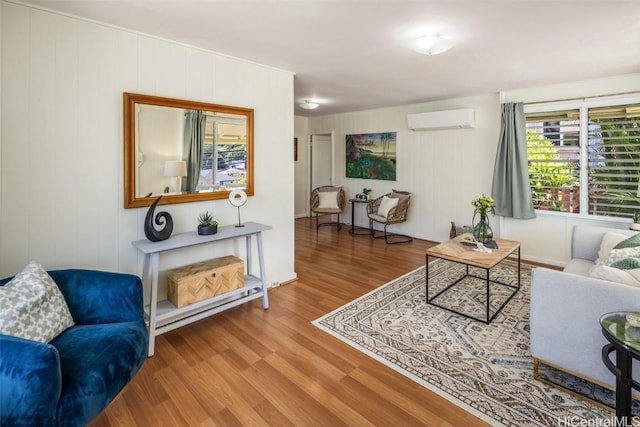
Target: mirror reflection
(185,151)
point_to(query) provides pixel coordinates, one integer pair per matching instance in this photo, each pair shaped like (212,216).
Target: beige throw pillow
(400,196)
(386,204)
(612,274)
(328,200)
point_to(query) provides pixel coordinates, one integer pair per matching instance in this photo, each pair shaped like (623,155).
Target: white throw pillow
(386,205)
(32,306)
(328,200)
(604,272)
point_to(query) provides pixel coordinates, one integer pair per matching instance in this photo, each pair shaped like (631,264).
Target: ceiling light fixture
(308,105)
(433,45)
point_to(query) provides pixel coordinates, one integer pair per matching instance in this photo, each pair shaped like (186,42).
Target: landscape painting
(372,156)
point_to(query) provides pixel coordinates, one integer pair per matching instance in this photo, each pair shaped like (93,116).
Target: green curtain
(194,127)
(511,190)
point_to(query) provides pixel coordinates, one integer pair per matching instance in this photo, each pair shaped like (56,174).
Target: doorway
(321,149)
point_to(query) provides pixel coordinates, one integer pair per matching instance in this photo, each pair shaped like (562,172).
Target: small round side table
(355,230)
(624,340)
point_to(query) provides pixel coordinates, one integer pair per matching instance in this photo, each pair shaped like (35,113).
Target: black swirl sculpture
(161,219)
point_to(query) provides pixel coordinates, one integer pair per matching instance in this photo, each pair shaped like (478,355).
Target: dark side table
(624,339)
(354,230)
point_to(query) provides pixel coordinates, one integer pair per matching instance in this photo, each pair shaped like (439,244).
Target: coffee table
(454,251)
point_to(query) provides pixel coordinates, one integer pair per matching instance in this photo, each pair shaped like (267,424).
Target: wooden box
(206,279)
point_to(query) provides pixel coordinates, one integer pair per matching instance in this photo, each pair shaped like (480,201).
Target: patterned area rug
(485,369)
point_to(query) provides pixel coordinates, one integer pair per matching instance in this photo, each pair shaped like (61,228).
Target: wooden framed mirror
(186,151)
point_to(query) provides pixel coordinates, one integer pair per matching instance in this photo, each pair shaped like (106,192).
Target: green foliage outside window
(548,172)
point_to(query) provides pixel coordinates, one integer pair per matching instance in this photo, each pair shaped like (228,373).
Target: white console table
(164,316)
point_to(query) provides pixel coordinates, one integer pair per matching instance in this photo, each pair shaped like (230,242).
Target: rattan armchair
(395,215)
(332,202)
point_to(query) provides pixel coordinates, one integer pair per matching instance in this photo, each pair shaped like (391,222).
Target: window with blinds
(614,160)
(585,160)
(553,148)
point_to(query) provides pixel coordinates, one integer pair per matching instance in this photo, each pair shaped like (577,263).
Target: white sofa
(566,307)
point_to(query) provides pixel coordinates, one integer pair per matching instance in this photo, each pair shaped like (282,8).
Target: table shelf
(163,316)
(168,313)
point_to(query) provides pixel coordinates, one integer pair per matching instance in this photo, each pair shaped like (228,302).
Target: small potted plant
(635,225)
(206,224)
(366,192)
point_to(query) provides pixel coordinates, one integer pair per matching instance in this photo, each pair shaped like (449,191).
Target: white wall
(61,189)
(445,169)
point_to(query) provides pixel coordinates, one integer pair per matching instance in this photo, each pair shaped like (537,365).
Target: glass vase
(482,230)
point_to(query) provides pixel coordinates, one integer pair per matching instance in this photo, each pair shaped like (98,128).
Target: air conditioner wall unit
(448,119)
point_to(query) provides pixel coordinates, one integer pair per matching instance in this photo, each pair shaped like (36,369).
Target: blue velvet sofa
(70,380)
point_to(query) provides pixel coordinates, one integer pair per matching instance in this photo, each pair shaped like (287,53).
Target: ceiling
(357,55)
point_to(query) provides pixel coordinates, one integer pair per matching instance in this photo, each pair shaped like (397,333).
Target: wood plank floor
(254,367)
